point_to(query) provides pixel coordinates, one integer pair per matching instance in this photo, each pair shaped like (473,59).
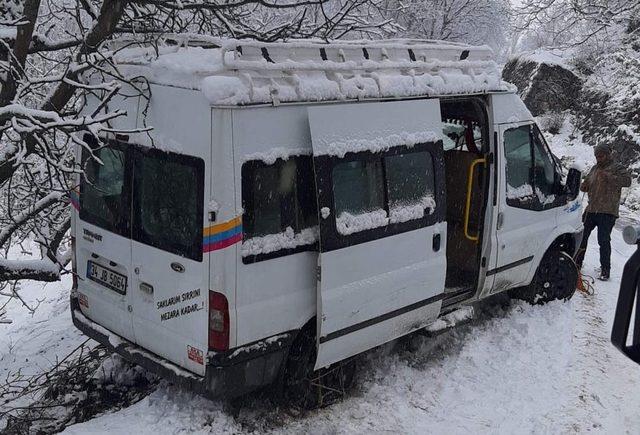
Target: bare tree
(471,21)
(572,22)
(48,47)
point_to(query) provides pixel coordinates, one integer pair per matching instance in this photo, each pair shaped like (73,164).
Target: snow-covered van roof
(238,72)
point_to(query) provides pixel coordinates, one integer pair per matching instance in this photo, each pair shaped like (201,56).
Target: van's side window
(378,190)
(152,196)
(530,170)
(279,206)
(410,181)
(358,187)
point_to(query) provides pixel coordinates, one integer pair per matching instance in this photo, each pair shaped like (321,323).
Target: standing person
(603,184)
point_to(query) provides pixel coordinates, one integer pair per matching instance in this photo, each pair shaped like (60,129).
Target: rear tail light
(218,321)
(74,266)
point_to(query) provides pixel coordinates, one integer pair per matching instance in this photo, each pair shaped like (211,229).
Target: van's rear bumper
(228,374)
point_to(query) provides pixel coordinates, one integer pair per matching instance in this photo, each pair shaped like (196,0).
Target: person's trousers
(605,223)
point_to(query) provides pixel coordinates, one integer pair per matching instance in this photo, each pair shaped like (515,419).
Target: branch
(56,241)
(23,217)
(173,5)
(39,270)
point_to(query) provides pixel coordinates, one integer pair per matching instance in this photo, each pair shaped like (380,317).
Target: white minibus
(268,211)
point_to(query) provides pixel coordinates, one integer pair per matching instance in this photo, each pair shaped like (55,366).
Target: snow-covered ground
(515,368)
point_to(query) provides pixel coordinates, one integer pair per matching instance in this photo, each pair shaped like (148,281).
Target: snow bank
(549,57)
(451,319)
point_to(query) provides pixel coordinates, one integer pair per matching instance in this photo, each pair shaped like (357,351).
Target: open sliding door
(379,172)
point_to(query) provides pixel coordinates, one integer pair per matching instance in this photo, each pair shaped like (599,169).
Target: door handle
(436,242)
(500,220)
(177,267)
(147,288)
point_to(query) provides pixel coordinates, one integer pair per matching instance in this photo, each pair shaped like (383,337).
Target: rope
(585,284)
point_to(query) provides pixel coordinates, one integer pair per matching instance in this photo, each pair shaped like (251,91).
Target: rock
(545,85)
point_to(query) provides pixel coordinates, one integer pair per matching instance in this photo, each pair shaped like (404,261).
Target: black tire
(555,278)
(304,388)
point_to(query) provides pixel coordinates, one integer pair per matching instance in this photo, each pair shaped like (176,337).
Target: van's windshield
(151,196)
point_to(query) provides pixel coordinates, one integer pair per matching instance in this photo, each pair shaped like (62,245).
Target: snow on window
(380,144)
(348,223)
(271,156)
(277,242)
(407,212)
(278,196)
(544,199)
(524,191)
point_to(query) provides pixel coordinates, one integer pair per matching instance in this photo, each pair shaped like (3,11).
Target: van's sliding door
(381,198)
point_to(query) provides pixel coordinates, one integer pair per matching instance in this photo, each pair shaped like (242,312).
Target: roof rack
(349,55)
(241,72)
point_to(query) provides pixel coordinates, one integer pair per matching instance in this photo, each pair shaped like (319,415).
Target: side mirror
(627,298)
(572,184)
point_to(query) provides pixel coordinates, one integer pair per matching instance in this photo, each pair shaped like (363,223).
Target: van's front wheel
(555,278)
(306,388)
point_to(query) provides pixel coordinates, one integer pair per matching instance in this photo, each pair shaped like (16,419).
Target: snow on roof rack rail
(348,55)
(232,72)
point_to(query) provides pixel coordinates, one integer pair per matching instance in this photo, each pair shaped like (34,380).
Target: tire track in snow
(604,382)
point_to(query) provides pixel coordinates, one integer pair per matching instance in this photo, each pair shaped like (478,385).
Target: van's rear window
(167,202)
(151,196)
(104,190)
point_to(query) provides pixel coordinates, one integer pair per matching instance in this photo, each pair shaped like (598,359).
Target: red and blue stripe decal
(222,235)
(74,199)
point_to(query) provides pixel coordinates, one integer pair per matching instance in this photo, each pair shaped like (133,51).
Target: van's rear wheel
(555,278)
(306,388)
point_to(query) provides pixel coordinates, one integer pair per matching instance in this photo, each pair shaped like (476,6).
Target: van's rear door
(170,278)
(103,246)
(379,172)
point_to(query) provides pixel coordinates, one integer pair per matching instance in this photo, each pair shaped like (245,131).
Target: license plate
(107,277)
